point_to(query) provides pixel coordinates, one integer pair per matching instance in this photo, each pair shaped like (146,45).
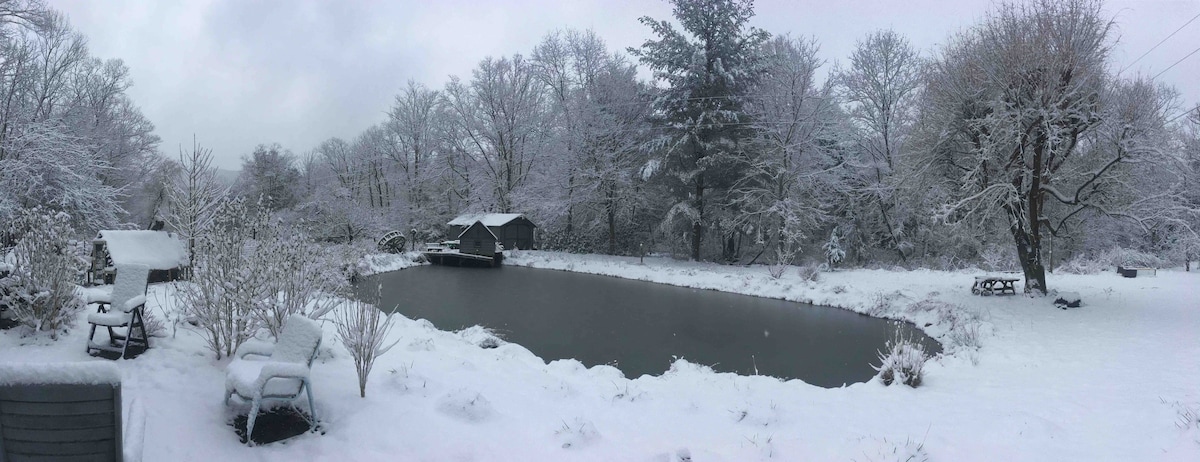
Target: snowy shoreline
(742,280)
(1114,380)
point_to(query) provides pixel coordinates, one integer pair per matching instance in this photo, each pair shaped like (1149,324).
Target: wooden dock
(448,253)
(456,258)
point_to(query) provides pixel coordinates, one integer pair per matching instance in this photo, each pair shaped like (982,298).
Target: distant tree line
(1014,145)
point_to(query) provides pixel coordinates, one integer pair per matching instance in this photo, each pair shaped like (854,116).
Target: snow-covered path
(1104,382)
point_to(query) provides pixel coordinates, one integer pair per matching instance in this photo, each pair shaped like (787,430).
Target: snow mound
(577,433)
(466,405)
(91,372)
(481,337)
(1068,300)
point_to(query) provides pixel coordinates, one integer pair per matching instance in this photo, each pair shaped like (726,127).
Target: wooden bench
(993,285)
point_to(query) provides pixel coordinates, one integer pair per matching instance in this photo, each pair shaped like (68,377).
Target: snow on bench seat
(90,372)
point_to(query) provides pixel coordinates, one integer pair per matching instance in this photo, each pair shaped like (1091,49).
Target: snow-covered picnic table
(993,283)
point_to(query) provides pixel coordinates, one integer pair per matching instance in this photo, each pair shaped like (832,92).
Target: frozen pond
(639,327)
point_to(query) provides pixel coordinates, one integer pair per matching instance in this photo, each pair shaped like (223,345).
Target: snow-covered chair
(282,376)
(122,308)
(67,411)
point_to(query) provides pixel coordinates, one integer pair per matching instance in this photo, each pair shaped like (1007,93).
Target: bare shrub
(362,329)
(776,270)
(1109,260)
(225,286)
(881,303)
(810,272)
(904,361)
(965,335)
(961,324)
(299,277)
(40,289)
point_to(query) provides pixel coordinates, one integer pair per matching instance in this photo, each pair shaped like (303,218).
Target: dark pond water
(640,326)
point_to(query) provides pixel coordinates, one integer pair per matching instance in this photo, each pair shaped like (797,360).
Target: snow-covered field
(1118,379)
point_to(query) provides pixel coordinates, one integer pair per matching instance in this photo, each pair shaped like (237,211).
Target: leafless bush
(965,335)
(299,277)
(40,290)
(225,286)
(881,303)
(810,272)
(362,329)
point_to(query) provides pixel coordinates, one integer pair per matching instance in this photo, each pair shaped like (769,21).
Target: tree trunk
(612,223)
(1029,250)
(698,223)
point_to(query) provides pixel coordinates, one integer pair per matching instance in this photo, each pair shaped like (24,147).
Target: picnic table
(994,284)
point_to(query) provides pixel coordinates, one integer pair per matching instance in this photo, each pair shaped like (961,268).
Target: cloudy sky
(239,73)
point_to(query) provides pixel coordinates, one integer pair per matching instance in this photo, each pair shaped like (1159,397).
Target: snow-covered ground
(1118,379)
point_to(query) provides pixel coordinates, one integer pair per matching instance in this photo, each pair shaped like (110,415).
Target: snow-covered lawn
(1118,379)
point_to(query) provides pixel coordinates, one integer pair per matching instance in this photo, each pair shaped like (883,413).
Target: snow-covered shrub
(298,277)
(40,290)
(776,270)
(904,361)
(962,324)
(881,304)
(225,284)
(362,329)
(1109,260)
(810,272)
(965,335)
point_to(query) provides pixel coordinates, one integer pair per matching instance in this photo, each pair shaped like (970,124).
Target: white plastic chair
(122,308)
(282,376)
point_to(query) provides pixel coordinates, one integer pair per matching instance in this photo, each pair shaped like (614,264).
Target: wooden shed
(512,230)
(477,239)
(165,254)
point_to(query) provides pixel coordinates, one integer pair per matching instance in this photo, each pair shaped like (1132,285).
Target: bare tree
(499,115)
(193,195)
(880,88)
(599,131)
(1022,112)
(413,123)
(786,176)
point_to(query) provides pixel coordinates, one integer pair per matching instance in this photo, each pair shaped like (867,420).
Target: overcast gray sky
(240,73)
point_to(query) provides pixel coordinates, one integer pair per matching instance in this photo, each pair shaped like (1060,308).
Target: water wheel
(392,242)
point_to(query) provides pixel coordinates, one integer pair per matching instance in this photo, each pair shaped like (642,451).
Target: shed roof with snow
(481,226)
(158,250)
(512,230)
(488,219)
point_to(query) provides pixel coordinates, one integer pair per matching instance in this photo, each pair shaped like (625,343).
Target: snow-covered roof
(488,219)
(89,372)
(158,250)
(468,228)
